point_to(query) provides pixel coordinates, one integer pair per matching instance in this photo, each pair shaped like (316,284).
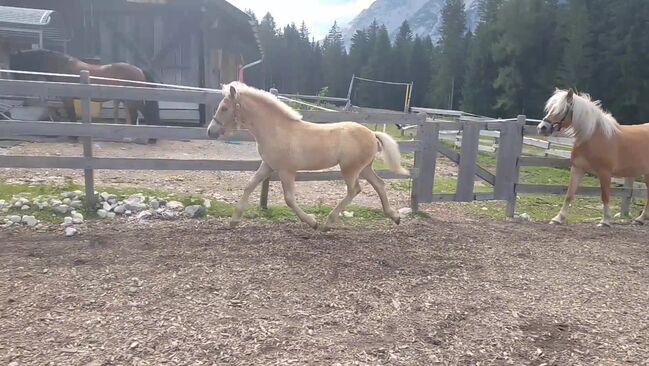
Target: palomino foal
(602,147)
(287,144)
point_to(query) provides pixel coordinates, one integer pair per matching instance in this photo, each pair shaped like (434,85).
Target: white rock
(154,204)
(61,209)
(102,214)
(175,205)
(70,231)
(25,208)
(106,206)
(144,215)
(67,221)
(30,221)
(2,203)
(405,211)
(77,218)
(617,215)
(120,210)
(55,202)
(79,193)
(15,219)
(128,212)
(76,204)
(110,215)
(525,217)
(67,201)
(207,203)
(348,214)
(112,200)
(169,215)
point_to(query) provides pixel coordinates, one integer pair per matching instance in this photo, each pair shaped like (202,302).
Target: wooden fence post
(88,174)
(629,184)
(425,164)
(507,170)
(468,161)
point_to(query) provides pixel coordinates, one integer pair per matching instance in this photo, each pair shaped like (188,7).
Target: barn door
(166,44)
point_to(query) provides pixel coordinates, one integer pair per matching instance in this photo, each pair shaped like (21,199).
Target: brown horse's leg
(68,105)
(353,189)
(288,185)
(576,174)
(262,173)
(131,113)
(605,186)
(645,213)
(116,111)
(379,186)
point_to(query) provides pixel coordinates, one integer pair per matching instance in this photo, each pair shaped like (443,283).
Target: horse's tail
(151,110)
(390,153)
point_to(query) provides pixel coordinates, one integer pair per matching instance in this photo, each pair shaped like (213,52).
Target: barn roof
(25,16)
(28,23)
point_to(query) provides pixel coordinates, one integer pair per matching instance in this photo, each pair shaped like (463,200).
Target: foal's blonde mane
(587,115)
(263,97)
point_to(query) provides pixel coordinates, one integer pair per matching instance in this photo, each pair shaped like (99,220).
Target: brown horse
(47,61)
(287,144)
(602,147)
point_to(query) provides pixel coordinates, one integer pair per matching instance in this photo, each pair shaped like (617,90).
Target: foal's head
(226,119)
(559,109)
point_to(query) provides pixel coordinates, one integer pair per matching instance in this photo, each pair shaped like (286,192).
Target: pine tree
(447,85)
(479,95)
(421,70)
(334,61)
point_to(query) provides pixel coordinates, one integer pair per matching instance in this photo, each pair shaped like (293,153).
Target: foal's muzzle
(214,130)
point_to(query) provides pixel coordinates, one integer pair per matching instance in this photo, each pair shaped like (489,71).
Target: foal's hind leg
(576,174)
(379,186)
(288,185)
(645,213)
(353,189)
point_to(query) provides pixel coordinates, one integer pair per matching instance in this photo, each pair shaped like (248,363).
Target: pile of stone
(141,207)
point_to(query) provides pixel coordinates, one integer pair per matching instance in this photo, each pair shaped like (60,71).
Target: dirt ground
(447,290)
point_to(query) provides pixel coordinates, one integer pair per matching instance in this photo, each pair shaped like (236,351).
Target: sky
(319,15)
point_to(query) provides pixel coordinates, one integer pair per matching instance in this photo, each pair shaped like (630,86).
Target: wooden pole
(88,174)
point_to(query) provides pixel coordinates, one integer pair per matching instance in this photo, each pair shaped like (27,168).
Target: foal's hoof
(556,222)
(604,225)
(397,220)
(638,223)
(234,224)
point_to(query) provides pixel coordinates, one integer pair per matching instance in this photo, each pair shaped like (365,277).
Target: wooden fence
(427,145)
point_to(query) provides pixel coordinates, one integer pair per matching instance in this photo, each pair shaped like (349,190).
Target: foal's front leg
(576,174)
(605,186)
(262,174)
(288,185)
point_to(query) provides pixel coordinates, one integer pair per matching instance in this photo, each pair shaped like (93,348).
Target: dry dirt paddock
(432,291)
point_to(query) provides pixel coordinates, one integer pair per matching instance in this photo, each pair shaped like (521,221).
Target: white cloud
(319,15)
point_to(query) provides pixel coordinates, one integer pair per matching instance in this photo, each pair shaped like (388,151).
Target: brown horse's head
(39,60)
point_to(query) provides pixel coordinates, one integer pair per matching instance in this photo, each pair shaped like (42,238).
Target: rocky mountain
(424,16)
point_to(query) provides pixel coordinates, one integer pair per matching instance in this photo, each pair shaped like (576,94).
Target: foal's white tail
(390,153)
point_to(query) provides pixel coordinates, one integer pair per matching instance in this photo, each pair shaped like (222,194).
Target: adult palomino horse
(287,144)
(602,147)
(47,61)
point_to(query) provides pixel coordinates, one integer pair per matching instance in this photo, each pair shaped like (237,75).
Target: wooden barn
(201,43)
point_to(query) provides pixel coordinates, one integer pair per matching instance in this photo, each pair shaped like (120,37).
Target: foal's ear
(571,94)
(233,92)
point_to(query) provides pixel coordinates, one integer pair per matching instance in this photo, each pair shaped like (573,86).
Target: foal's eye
(224,109)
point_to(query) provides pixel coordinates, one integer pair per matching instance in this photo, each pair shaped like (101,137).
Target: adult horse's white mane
(264,97)
(587,115)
